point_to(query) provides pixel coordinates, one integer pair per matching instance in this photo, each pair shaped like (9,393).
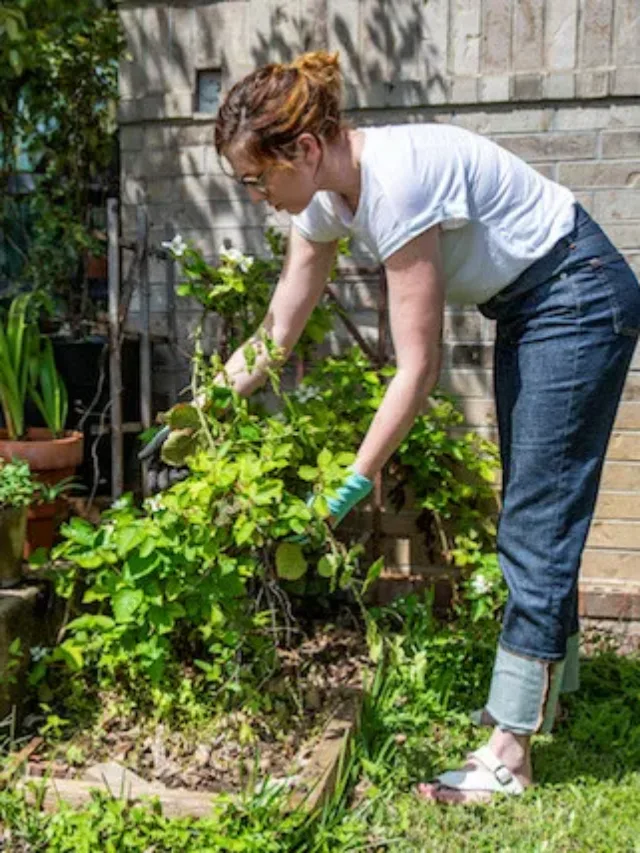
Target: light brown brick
(560,30)
(619,505)
(621,475)
(550,146)
(528,32)
(608,174)
(495,55)
(624,445)
(615,534)
(628,417)
(611,205)
(621,143)
(614,565)
(595,34)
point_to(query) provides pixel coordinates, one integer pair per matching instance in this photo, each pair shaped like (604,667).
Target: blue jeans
(566,332)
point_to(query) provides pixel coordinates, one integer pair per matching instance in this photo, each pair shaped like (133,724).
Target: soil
(237,748)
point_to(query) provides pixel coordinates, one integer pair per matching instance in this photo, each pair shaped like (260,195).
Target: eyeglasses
(254,182)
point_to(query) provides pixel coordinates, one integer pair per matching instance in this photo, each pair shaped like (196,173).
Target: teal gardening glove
(354,489)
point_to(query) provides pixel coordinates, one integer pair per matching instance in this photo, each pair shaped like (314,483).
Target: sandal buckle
(503,774)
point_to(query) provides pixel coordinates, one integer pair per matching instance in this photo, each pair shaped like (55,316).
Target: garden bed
(297,747)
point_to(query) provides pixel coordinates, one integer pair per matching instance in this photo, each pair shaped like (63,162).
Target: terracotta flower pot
(13,525)
(43,521)
(50,459)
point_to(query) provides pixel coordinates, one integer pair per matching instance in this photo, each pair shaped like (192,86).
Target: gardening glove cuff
(355,488)
(154,446)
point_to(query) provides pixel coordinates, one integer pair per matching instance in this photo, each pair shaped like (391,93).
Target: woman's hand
(354,489)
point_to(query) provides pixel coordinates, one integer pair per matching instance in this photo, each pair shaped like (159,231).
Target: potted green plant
(46,513)
(28,369)
(17,490)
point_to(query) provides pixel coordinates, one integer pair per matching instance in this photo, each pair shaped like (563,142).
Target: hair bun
(322,68)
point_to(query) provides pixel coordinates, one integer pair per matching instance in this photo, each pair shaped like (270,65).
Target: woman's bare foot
(514,752)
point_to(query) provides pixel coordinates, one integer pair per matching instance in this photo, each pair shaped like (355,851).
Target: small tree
(58,87)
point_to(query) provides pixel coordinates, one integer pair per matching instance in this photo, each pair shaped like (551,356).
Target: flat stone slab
(309,789)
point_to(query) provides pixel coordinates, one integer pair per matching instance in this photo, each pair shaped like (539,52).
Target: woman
(454,217)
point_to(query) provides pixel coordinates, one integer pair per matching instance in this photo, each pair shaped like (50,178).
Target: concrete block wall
(555,81)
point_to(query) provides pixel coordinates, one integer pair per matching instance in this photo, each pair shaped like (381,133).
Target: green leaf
(91,622)
(183,416)
(290,562)
(125,603)
(373,573)
(181,444)
(326,568)
(324,458)
(306,472)
(72,655)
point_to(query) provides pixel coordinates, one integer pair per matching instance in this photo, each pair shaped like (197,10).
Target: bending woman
(455,218)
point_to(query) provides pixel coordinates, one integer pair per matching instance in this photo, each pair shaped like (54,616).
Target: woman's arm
(416,305)
(304,276)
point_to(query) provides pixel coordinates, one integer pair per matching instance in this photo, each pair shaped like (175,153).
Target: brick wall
(555,81)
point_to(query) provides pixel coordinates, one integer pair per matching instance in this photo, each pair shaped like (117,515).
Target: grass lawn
(414,724)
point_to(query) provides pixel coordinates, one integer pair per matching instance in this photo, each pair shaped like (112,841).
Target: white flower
(120,503)
(234,257)
(307,392)
(38,652)
(480,585)
(154,503)
(177,246)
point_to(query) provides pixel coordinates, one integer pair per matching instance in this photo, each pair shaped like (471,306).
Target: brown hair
(273,105)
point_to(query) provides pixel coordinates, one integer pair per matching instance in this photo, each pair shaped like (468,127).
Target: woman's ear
(309,147)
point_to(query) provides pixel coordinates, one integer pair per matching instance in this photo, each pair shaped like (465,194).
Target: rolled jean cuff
(524,692)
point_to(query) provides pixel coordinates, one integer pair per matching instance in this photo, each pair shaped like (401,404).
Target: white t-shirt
(497,215)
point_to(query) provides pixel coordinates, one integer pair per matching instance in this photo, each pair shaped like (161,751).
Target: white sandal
(491,776)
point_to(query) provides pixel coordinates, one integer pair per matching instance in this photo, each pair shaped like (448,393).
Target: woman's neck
(340,171)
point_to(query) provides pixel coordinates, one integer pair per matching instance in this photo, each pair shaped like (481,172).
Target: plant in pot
(28,369)
(17,490)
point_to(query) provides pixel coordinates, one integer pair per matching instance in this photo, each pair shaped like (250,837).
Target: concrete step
(32,615)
